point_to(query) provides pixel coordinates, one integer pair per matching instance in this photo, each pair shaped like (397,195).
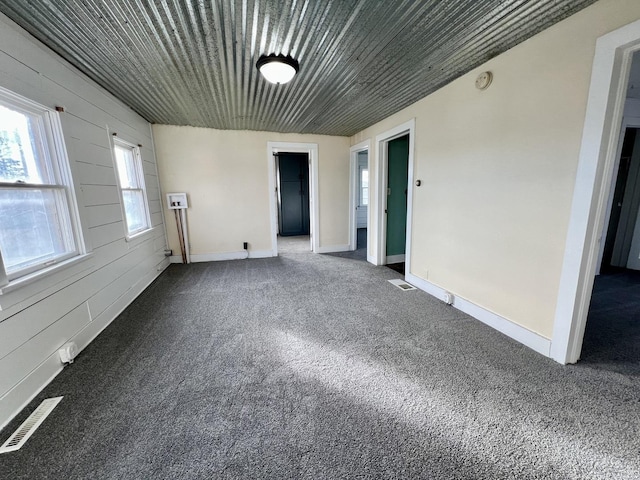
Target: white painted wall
(498,168)
(225,173)
(76,303)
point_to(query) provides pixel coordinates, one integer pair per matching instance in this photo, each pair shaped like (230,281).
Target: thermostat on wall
(177,201)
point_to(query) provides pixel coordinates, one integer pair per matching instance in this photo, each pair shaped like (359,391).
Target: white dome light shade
(277,68)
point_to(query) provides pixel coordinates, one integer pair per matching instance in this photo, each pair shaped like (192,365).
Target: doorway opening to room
(397,197)
(359,203)
(294,216)
(621,247)
(293,201)
(599,295)
(612,330)
(394,197)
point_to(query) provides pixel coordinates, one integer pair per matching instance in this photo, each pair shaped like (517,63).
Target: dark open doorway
(293,194)
(624,208)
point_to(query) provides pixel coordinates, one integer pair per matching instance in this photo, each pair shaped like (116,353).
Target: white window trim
(117,141)
(40,274)
(60,163)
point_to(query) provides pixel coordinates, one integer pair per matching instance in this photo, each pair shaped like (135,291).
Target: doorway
(622,242)
(396,211)
(612,330)
(359,199)
(596,179)
(293,194)
(362,200)
(298,214)
(394,196)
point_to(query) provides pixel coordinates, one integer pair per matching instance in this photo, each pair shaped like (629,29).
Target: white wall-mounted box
(177,201)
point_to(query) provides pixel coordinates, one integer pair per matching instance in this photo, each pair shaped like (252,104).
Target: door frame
(353,191)
(594,176)
(312,150)
(382,161)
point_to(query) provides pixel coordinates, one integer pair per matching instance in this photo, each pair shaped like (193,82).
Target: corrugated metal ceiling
(192,62)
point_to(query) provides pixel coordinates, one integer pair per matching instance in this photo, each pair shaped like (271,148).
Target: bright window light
(36,198)
(132,187)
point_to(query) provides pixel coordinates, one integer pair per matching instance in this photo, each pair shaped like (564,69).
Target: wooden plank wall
(79,302)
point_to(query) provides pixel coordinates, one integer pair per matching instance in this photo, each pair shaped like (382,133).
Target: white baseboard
(512,330)
(19,396)
(16,399)
(218,257)
(395,258)
(333,249)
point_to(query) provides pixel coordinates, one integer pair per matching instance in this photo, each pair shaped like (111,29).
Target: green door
(397,174)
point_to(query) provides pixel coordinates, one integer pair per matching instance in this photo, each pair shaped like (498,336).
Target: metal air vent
(29,426)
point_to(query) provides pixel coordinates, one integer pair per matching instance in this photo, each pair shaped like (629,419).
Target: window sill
(41,274)
(140,236)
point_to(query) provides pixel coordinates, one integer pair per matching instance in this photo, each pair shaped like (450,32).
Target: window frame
(118,142)
(49,141)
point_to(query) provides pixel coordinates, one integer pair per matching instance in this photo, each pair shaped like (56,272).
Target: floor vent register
(30,425)
(402,285)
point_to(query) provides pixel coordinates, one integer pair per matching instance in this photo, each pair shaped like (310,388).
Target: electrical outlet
(245,245)
(448,298)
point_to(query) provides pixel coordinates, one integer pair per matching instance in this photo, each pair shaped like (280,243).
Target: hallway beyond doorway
(294,244)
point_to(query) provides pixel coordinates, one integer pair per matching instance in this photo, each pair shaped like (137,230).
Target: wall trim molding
(512,330)
(13,401)
(333,249)
(221,256)
(395,258)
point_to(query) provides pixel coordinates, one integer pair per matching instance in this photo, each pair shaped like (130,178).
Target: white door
(362,202)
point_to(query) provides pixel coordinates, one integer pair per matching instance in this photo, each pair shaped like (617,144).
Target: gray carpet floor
(315,367)
(295,244)
(612,336)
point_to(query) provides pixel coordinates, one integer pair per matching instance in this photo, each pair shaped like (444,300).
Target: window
(38,225)
(364,186)
(132,190)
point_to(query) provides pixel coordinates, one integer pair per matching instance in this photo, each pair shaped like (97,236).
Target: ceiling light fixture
(277,68)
